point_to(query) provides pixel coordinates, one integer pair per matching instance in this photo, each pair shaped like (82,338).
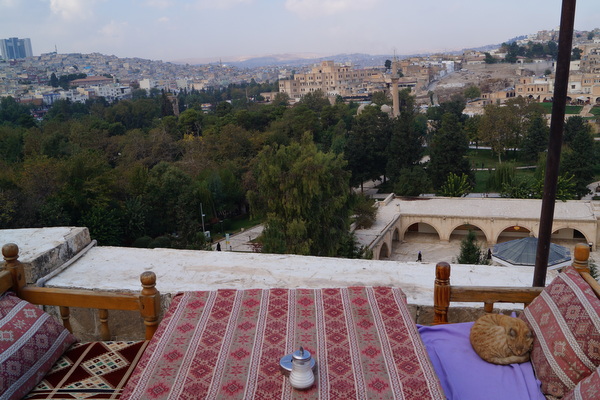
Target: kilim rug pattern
(95,370)
(227,344)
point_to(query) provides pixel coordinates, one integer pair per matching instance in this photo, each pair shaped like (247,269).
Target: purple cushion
(464,375)
(30,342)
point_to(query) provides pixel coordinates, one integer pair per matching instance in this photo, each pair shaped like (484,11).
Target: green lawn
(482,178)
(484,158)
(595,110)
(568,109)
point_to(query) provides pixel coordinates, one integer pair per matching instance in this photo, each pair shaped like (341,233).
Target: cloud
(113,29)
(311,8)
(162,4)
(8,3)
(72,9)
(219,4)
(164,20)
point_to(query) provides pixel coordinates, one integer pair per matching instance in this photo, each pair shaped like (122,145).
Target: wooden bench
(147,302)
(444,293)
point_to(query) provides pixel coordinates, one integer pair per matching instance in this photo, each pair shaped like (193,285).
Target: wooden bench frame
(147,303)
(444,292)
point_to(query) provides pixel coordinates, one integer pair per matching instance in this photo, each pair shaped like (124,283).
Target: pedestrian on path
(419,257)
(219,246)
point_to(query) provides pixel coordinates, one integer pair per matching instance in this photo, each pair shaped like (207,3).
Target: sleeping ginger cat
(500,339)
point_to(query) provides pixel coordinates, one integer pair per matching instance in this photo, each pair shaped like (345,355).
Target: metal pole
(202,214)
(561,82)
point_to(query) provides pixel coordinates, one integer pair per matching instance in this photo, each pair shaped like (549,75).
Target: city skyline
(203,30)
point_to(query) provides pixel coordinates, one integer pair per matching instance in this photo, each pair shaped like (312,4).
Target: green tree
(578,159)
(536,138)
(405,148)
(472,129)
(412,182)
(504,174)
(53,80)
(304,195)
(572,127)
(456,186)
(364,211)
(190,122)
(472,92)
(380,98)
(366,145)
(576,54)
(166,106)
(489,59)
(448,150)
(503,126)
(470,251)
(315,101)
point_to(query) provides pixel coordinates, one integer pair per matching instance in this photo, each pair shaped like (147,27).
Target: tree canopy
(304,195)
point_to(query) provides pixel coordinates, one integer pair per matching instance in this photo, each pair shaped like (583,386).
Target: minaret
(395,96)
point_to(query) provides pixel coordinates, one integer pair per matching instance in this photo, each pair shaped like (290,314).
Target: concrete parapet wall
(42,250)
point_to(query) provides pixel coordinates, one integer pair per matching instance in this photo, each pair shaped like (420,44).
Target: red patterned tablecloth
(227,344)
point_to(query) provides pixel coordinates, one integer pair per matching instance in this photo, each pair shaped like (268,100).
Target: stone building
(332,79)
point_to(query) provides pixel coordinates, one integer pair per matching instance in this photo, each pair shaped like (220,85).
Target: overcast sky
(210,30)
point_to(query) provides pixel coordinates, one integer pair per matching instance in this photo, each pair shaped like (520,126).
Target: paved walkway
(241,241)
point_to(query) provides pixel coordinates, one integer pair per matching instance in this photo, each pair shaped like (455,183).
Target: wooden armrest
(494,294)
(80,298)
(444,293)
(147,303)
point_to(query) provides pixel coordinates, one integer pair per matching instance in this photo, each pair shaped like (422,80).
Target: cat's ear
(529,335)
(512,333)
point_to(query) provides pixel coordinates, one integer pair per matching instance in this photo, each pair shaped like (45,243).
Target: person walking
(419,257)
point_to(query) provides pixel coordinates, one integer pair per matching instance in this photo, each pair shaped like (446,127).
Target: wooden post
(581,254)
(10,251)
(149,302)
(561,82)
(441,293)
(65,315)
(104,330)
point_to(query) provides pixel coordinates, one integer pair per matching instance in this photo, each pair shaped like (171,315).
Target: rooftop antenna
(55,49)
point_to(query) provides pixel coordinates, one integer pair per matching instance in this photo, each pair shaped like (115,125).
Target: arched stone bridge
(492,219)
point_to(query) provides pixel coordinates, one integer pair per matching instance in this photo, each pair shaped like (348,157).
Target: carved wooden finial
(441,293)
(149,302)
(148,279)
(442,271)
(581,255)
(10,251)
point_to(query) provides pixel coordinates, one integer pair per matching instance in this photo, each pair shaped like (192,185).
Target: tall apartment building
(14,48)
(328,77)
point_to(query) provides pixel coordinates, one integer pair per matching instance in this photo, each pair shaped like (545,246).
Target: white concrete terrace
(119,268)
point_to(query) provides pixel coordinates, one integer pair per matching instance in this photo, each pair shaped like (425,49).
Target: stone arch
(461,230)
(421,227)
(513,231)
(568,234)
(597,100)
(384,252)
